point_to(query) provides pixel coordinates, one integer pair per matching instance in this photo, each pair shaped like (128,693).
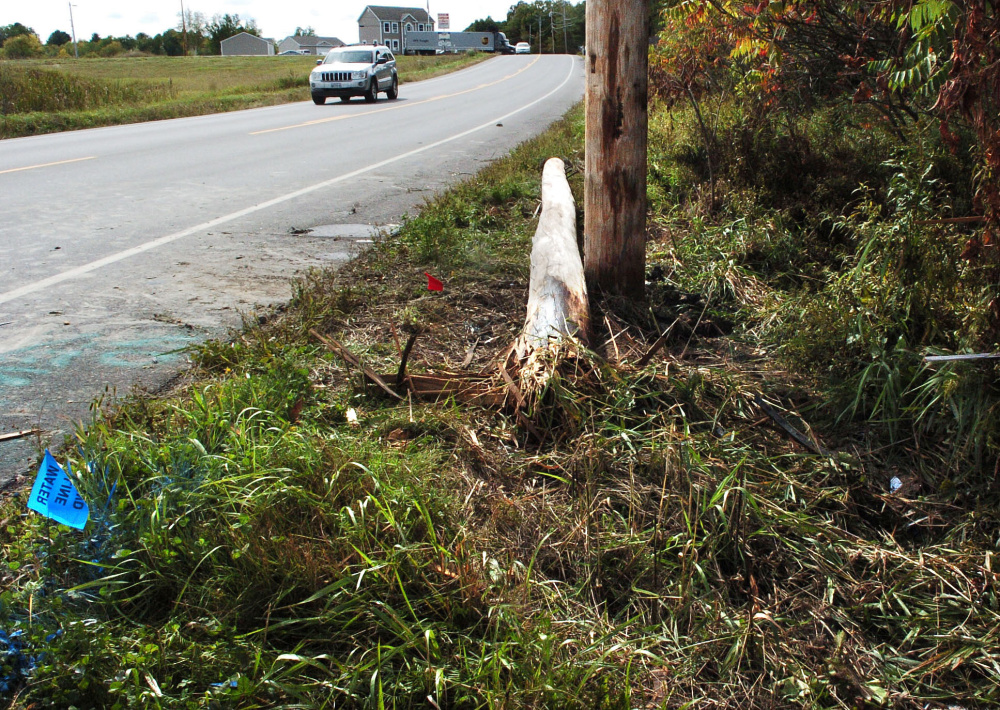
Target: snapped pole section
(557,293)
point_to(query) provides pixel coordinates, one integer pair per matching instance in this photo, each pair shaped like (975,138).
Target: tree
(969,94)
(111,48)
(58,39)
(150,45)
(225,26)
(196,26)
(487,25)
(522,25)
(307,31)
(22,47)
(905,58)
(171,44)
(14,30)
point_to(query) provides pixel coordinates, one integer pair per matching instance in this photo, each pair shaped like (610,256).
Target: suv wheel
(393,91)
(319,100)
(372,94)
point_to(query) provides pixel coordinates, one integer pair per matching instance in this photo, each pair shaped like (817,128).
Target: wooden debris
(521,403)
(404,357)
(352,359)
(614,341)
(959,358)
(792,431)
(395,338)
(469,354)
(17,434)
(660,342)
(475,389)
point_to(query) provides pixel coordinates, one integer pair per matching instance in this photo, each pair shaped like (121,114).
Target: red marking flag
(433,284)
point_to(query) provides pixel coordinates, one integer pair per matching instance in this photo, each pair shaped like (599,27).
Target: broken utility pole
(557,295)
(617,120)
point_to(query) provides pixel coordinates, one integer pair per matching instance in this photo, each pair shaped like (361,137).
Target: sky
(336,18)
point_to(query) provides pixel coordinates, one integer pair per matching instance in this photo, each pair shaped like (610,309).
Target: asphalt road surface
(120,246)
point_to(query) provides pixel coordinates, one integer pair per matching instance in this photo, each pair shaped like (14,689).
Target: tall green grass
(26,90)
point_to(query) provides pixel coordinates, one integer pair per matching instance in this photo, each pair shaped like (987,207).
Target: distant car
(289,52)
(522,48)
(355,70)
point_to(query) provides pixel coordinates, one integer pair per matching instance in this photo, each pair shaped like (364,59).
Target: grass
(49,95)
(275,533)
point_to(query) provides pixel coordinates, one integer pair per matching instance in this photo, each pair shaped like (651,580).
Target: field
(48,95)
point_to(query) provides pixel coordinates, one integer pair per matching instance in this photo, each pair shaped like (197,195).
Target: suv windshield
(352,56)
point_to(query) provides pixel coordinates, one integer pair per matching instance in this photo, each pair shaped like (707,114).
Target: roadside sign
(444,21)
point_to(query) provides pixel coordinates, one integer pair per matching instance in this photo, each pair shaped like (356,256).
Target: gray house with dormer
(388,25)
(309,44)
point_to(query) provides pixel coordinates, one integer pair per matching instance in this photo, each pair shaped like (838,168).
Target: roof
(247,34)
(395,14)
(314,41)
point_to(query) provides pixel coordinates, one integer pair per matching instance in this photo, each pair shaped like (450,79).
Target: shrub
(111,49)
(22,47)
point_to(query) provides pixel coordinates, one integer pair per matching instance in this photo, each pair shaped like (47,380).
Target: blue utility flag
(55,496)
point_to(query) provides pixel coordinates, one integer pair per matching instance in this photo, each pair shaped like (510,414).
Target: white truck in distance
(452,42)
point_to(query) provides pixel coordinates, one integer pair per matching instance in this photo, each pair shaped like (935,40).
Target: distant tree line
(549,26)
(194,34)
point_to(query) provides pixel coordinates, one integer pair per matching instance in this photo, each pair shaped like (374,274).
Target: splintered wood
(557,294)
(557,323)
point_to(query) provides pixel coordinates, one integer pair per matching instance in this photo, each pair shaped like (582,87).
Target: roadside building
(309,44)
(383,24)
(245,44)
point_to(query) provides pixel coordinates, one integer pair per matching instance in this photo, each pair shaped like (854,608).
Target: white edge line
(128,253)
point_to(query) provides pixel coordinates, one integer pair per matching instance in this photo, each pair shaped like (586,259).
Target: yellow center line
(396,107)
(46,165)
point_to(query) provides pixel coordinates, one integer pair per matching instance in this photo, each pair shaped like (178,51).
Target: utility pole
(540,36)
(552,28)
(565,30)
(72,27)
(184,29)
(614,242)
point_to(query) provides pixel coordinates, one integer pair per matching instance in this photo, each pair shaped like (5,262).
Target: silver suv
(355,70)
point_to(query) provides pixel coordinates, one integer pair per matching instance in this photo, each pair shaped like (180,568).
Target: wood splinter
(557,293)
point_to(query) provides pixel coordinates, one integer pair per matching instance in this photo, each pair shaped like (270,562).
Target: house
(309,44)
(246,44)
(383,24)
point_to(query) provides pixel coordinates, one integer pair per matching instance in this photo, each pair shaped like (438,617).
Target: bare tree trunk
(709,141)
(617,125)
(557,294)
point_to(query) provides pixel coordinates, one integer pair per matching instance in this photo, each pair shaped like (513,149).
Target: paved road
(118,246)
